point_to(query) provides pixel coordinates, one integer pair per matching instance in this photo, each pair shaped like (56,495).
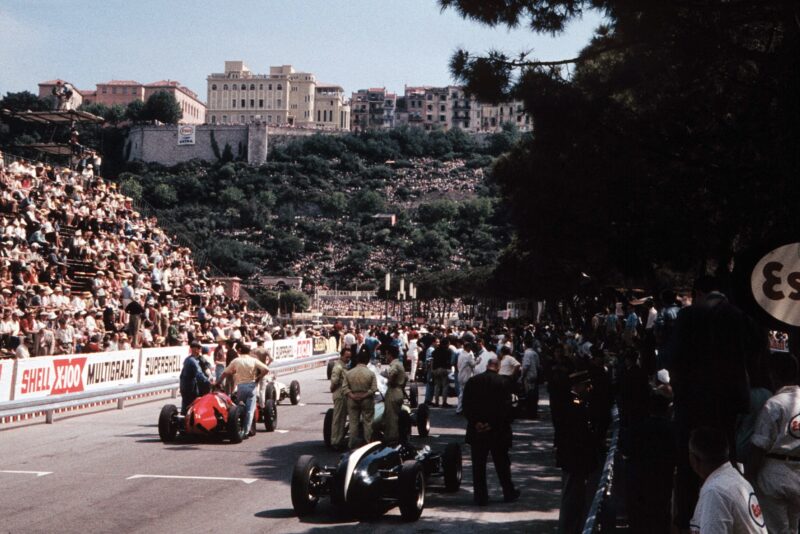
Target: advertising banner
(58,375)
(320,345)
(305,348)
(186,134)
(6,376)
(160,363)
(284,349)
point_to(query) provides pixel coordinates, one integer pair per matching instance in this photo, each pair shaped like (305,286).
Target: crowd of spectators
(82,271)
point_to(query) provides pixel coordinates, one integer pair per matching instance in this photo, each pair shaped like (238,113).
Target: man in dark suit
(194,381)
(487,407)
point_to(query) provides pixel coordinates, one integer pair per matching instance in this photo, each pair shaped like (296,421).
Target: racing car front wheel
(451,465)
(270,393)
(270,416)
(168,423)
(411,484)
(423,420)
(294,392)
(304,485)
(237,415)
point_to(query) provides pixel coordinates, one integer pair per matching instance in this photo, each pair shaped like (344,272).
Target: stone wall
(159,144)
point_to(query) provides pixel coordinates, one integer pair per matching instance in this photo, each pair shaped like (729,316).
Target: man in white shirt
(509,366)
(727,503)
(465,366)
(774,463)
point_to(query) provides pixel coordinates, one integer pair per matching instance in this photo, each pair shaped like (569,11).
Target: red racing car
(214,414)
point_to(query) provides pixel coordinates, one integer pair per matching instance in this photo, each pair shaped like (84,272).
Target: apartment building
(194,111)
(283,97)
(372,108)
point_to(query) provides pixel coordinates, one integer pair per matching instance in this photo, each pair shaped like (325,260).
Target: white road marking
(37,473)
(245,480)
(301,404)
(282,431)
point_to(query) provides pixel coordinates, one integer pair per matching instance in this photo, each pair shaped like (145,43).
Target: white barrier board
(6,379)
(160,363)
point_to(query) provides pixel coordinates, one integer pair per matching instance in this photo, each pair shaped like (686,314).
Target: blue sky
(353,43)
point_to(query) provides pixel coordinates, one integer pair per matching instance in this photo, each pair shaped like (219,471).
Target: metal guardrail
(50,405)
(606,478)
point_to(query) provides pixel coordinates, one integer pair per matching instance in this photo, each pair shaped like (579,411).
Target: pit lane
(108,471)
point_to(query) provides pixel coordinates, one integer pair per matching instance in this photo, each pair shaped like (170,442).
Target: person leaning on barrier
(359,387)
(246,371)
(393,401)
(339,400)
(193,379)
(726,502)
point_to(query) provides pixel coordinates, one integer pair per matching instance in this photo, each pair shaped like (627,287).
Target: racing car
(375,478)
(411,414)
(278,391)
(214,414)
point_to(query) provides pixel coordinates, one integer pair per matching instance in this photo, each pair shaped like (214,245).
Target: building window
(241,119)
(261,102)
(124,90)
(233,103)
(244,87)
(269,118)
(252,103)
(280,87)
(104,90)
(279,103)
(441,118)
(318,116)
(261,87)
(243,103)
(430,107)
(441,108)
(213,119)
(429,97)
(113,90)
(213,87)
(225,87)
(430,117)
(252,87)
(269,87)
(224,119)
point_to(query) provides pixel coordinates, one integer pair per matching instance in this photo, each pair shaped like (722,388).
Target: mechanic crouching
(339,400)
(393,402)
(194,381)
(246,372)
(359,387)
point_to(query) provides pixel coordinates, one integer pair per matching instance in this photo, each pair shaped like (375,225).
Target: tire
(452,467)
(269,393)
(327,427)
(304,496)
(423,420)
(404,423)
(270,416)
(413,395)
(330,368)
(294,392)
(411,489)
(167,423)
(235,428)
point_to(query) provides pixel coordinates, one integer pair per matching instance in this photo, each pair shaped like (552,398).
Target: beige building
(281,98)
(332,112)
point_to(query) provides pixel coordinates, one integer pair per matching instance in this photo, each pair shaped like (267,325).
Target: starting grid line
(140,476)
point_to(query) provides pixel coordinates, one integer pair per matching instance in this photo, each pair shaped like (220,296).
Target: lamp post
(387,286)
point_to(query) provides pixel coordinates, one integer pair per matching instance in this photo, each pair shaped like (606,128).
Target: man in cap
(576,454)
(393,401)
(359,387)
(192,377)
(487,407)
(339,400)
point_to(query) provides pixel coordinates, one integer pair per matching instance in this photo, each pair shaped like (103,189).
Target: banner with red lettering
(160,363)
(59,375)
(6,379)
(305,348)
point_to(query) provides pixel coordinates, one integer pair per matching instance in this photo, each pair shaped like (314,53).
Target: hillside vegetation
(309,210)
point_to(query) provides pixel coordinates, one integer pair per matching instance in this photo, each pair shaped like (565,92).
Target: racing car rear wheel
(270,416)
(236,430)
(451,465)
(269,392)
(404,425)
(305,485)
(411,490)
(330,368)
(168,423)
(423,420)
(294,392)
(327,427)
(413,395)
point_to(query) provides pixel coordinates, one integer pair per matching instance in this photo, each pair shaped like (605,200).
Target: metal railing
(606,483)
(48,406)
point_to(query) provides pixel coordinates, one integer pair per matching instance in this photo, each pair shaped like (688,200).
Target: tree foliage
(163,107)
(671,143)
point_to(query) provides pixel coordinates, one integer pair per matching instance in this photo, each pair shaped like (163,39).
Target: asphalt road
(101,472)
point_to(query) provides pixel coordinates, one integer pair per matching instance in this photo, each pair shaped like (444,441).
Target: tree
(24,101)
(162,107)
(671,143)
(134,111)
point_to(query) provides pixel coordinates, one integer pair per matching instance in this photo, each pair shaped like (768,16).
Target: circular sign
(775,283)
